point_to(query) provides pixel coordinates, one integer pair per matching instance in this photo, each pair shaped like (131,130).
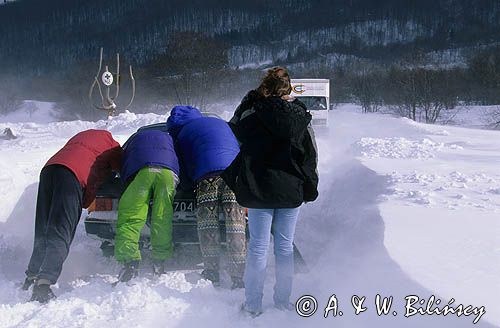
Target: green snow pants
(150,183)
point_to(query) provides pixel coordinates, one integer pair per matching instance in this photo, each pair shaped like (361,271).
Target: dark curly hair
(276,83)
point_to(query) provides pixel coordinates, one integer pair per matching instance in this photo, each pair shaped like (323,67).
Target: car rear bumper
(103,227)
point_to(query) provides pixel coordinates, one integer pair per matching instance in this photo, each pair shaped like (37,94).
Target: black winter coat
(276,166)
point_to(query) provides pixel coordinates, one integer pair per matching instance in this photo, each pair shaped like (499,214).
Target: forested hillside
(51,35)
(202,52)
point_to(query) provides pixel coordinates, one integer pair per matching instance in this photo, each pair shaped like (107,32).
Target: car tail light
(103,204)
(91,207)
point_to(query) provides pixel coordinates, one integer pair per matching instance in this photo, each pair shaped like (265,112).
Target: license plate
(183,206)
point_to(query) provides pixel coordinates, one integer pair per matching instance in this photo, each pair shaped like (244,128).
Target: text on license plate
(183,206)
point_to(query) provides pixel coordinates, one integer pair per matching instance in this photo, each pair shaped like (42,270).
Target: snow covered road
(404,209)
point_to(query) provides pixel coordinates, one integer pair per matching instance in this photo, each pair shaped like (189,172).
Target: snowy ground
(404,209)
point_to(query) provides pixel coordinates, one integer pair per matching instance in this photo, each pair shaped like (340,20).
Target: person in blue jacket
(150,169)
(206,146)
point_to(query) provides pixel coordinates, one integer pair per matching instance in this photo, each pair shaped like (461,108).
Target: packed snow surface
(404,209)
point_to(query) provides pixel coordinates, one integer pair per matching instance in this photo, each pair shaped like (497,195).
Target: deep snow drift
(404,209)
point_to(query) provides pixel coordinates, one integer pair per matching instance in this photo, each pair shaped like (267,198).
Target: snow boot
(211,275)
(158,268)
(30,280)
(130,270)
(252,314)
(42,292)
(237,283)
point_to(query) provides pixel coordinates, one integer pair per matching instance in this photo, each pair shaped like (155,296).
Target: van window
(314,103)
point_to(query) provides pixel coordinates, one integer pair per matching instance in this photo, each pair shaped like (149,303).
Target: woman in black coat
(274,173)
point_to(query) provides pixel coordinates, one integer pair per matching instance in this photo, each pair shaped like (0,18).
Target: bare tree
(423,95)
(405,93)
(191,66)
(491,117)
(485,70)
(366,90)
(30,108)
(438,94)
(496,117)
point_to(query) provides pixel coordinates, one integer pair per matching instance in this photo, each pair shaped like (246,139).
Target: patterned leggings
(212,195)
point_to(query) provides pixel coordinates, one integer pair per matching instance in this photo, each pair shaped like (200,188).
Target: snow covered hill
(404,209)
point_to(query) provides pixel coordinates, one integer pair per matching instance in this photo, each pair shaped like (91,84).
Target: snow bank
(454,190)
(401,148)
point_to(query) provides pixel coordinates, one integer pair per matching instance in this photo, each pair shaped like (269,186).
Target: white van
(315,94)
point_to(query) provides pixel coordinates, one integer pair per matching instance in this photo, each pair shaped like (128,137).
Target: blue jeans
(261,222)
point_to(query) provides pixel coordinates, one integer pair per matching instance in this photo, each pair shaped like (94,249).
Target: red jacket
(90,155)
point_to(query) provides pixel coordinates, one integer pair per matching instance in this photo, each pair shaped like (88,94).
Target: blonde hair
(276,83)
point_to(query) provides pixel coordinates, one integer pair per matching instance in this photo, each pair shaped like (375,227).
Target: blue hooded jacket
(149,148)
(205,145)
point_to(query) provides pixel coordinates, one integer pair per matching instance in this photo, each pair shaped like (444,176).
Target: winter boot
(158,267)
(211,275)
(252,314)
(30,280)
(237,283)
(130,270)
(42,292)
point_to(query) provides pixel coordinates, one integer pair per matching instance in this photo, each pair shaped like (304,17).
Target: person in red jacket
(68,183)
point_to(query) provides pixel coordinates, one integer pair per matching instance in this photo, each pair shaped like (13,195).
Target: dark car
(100,222)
